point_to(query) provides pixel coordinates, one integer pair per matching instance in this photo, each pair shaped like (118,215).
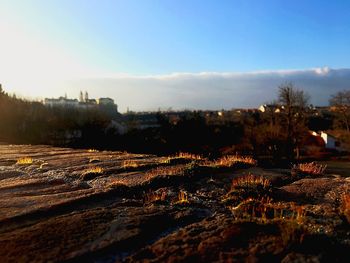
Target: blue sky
(71,39)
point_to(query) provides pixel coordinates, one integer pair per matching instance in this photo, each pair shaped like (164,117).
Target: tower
(86,96)
(81,98)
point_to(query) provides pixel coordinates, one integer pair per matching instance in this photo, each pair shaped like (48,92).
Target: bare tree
(341,103)
(294,103)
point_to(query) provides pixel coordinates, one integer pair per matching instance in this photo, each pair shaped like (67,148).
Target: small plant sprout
(183,197)
(130,164)
(309,168)
(42,165)
(25,161)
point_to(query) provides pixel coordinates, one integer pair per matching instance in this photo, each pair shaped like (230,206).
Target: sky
(193,54)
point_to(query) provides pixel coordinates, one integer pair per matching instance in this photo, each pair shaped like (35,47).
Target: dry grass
(250,181)
(188,156)
(264,209)
(183,156)
(309,168)
(231,160)
(165,171)
(130,164)
(93,151)
(94,170)
(154,196)
(25,161)
(116,183)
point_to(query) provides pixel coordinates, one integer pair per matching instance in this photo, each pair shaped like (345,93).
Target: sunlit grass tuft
(183,157)
(93,151)
(25,160)
(311,168)
(166,171)
(182,198)
(231,160)
(263,209)
(130,164)
(94,170)
(154,196)
(250,180)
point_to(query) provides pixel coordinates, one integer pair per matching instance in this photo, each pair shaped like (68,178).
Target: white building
(62,102)
(105,101)
(330,141)
(84,102)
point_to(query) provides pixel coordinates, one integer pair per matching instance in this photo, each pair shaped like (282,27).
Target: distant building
(105,101)
(271,108)
(62,102)
(330,141)
(84,102)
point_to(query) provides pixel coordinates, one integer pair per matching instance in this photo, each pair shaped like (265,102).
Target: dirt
(144,208)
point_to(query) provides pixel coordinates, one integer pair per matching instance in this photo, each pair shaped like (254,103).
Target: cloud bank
(205,90)
(211,90)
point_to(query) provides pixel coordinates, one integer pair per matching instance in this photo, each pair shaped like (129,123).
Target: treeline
(280,131)
(24,121)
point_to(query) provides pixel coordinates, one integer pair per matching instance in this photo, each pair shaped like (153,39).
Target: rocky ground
(96,206)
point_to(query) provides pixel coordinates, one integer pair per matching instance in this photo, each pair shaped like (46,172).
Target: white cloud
(212,90)
(33,68)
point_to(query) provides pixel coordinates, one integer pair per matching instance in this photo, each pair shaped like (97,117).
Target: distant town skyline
(180,54)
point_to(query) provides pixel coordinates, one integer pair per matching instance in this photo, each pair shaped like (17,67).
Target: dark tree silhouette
(341,103)
(294,104)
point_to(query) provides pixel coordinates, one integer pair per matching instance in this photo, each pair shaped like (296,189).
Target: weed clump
(183,157)
(229,162)
(311,168)
(263,209)
(248,186)
(155,197)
